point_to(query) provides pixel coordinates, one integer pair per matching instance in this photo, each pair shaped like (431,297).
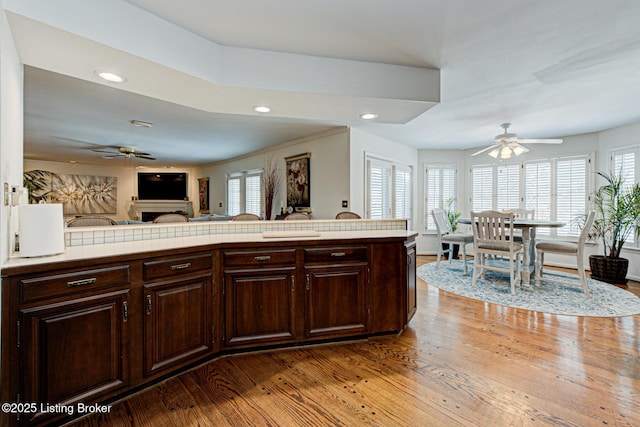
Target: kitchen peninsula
(103,319)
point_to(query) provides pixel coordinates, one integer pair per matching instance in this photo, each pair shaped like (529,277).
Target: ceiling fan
(507,144)
(126,152)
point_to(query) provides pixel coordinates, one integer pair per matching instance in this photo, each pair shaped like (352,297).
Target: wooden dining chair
(297,215)
(347,215)
(493,235)
(90,221)
(565,248)
(170,217)
(246,217)
(447,236)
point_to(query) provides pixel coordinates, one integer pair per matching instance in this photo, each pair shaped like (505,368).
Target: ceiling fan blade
(105,151)
(146,157)
(540,141)
(140,154)
(486,149)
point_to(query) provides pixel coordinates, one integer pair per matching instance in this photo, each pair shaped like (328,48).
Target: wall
(329,172)
(363,144)
(11,117)
(127,180)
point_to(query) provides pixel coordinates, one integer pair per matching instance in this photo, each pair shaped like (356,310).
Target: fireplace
(147,210)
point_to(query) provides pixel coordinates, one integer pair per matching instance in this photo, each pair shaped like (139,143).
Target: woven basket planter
(609,270)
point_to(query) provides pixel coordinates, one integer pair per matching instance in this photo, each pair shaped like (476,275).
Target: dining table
(528,228)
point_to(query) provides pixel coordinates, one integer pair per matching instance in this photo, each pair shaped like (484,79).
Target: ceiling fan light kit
(508,144)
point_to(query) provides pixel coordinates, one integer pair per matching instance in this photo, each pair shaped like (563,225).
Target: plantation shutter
(233,195)
(402,192)
(571,194)
(253,194)
(440,185)
(508,187)
(482,188)
(379,190)
(623,162)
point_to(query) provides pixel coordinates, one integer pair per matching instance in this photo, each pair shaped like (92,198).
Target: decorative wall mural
(79,194)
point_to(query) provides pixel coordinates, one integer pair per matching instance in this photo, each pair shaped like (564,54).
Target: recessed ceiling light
(261,108)
(141,124)
(110,77)
(368,116)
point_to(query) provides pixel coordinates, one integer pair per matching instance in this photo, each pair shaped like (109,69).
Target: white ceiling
(552,68)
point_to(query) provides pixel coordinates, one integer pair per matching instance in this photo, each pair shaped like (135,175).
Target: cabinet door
(259,306)
(75,351)
(178,324)
(412,290)
(335,300)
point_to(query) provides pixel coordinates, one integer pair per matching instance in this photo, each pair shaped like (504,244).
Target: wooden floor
(460,363)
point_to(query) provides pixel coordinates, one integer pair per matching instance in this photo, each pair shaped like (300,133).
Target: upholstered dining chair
(298,215)
(246,217)
(90,221)
(170,217)
(447,236)
(493,235)
(565,248)
(347,215)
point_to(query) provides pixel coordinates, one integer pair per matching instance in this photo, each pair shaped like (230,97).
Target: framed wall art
(203,195)
(298,181)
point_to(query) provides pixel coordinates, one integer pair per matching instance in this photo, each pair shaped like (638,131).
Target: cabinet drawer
(177,266)
(44,287)
(336,254)
(253,258)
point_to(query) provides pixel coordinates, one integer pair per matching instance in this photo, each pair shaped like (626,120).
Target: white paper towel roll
(41,230)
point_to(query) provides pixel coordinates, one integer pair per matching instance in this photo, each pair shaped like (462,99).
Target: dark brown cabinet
(259,307)
(412,289)
(177,311)
(74,351)
(259,289)
(335,291)
(335,300)
(90,330)
(178,325)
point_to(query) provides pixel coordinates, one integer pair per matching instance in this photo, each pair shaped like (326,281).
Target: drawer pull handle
(262,258)
(148,305)
(82,282)
(125,311)
(338,254)
(181,266)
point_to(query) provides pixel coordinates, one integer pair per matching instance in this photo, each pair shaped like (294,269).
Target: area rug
(606,300)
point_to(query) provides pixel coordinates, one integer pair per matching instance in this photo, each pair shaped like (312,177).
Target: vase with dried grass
(271,179)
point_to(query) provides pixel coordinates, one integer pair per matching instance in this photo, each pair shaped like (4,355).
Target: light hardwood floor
(459,363)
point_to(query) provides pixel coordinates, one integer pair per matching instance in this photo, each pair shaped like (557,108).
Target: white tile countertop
(75,253)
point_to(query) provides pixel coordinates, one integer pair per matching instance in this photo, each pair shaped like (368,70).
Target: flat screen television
(162,186)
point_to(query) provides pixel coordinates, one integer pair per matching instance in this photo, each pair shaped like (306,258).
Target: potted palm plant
(453,216)
(617,215)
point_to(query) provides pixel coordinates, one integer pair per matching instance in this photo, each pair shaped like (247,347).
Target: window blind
(508,187)
(233,195)
(482,188)
(571,194)
(440,186)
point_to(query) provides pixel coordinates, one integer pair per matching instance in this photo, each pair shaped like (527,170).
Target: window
(557,189)
(508,187)
(389,189)
(571,194)
(482,188)
(244,193)
(625,162)
(440,186)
